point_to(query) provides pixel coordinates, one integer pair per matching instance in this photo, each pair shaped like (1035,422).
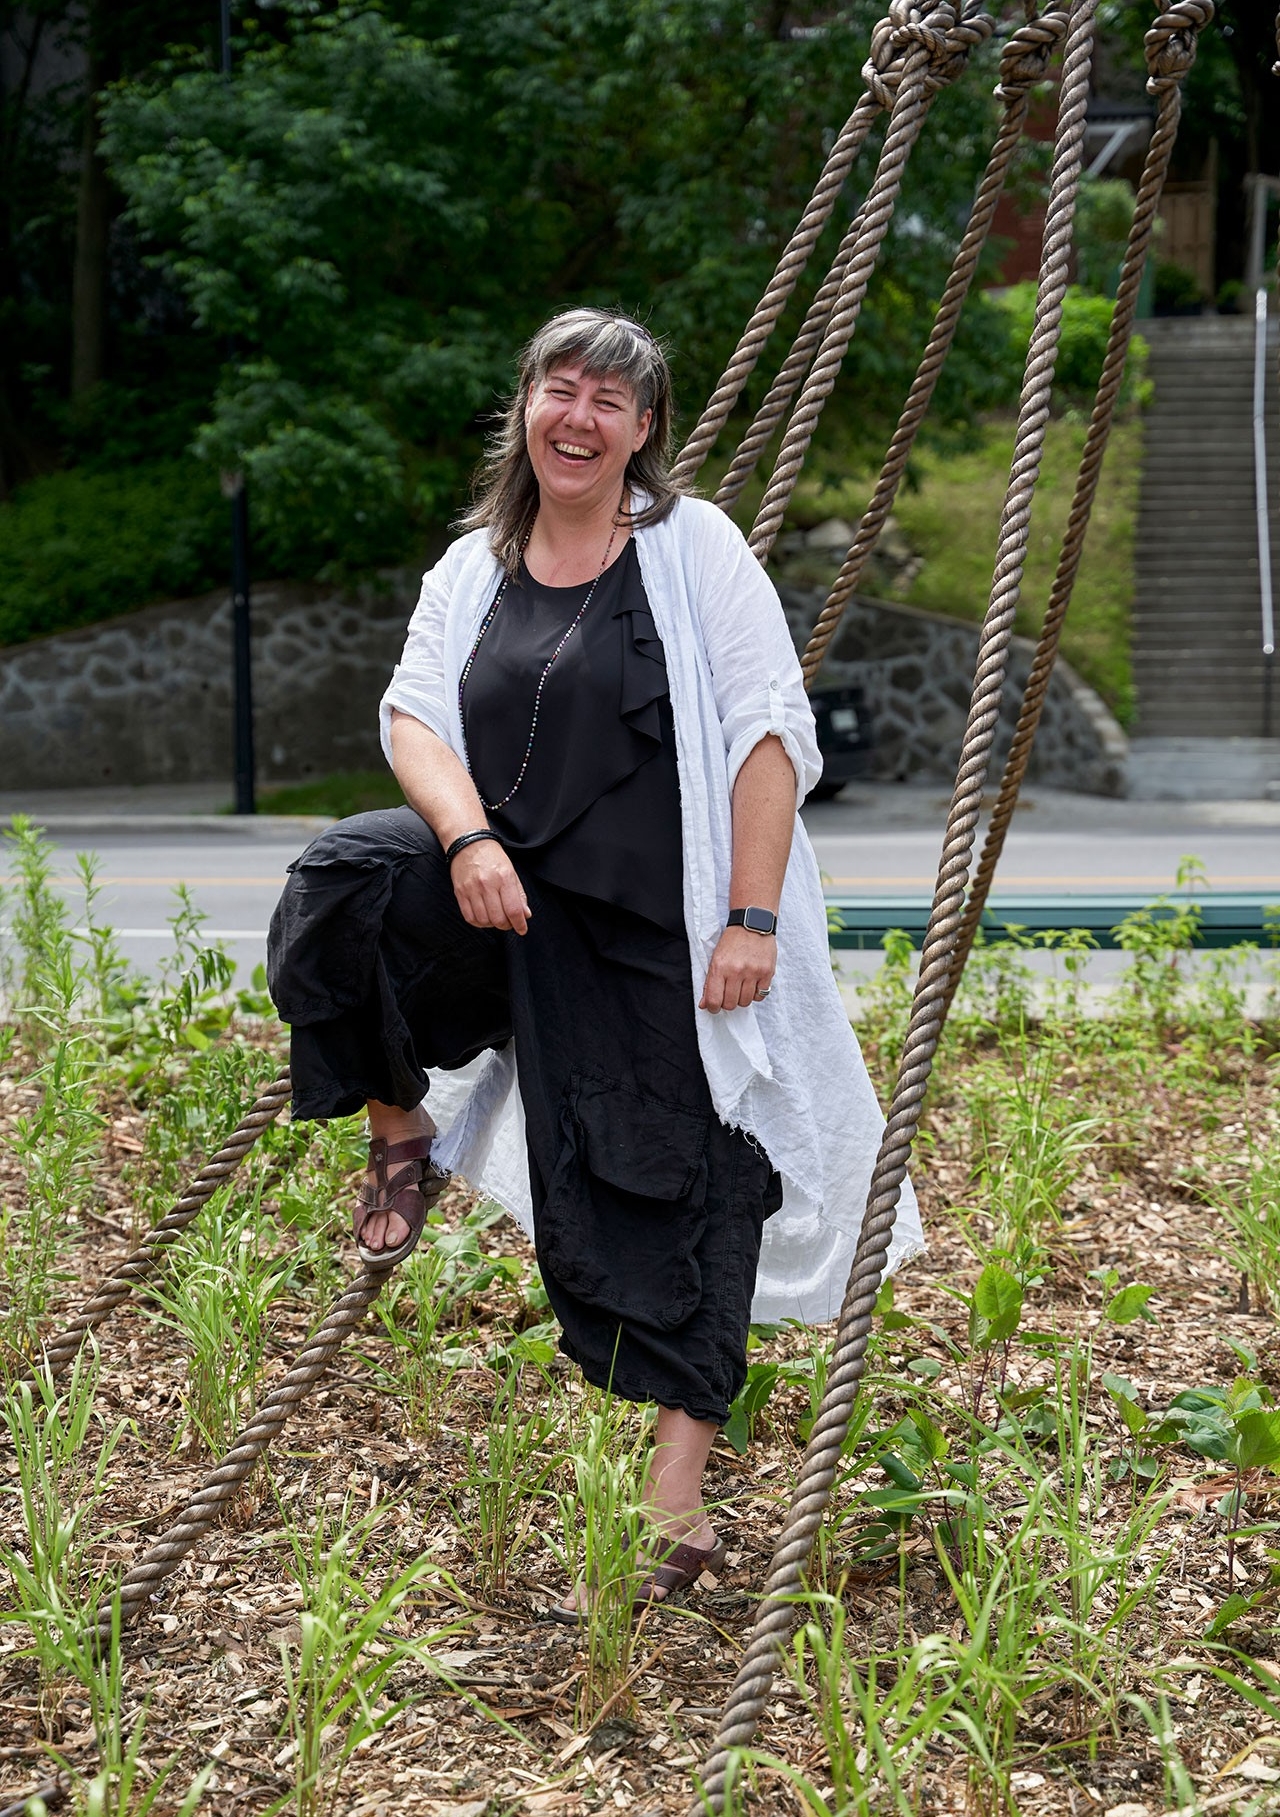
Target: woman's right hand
(488,890)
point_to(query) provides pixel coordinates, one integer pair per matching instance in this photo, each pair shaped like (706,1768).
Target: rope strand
(777,1613)
(1170,51)
(1023,63)
(938,44)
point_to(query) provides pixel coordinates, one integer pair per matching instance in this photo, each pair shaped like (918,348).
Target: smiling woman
(594,401)
(602,733)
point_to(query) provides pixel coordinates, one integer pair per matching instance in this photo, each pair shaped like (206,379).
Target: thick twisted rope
(937,41)
(143,1261)
(784,387)
(226,1477)
(785,277)
(882,73)
(1170,50)
(777,1613)
(1023,63)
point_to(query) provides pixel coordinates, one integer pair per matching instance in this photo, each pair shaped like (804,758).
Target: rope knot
(962,37)
(1171,42)
(908,27)
(1028,52)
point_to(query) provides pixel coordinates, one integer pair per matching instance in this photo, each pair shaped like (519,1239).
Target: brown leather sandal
(409,1192)
(679,1566)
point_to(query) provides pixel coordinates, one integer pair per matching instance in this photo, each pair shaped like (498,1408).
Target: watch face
(760,921)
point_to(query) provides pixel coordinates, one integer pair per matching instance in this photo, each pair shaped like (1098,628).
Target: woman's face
(581,430)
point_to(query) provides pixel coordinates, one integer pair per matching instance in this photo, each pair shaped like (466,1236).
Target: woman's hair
(604,343)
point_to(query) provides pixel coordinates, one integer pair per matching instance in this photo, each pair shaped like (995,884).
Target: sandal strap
(691,1561)
(378,1194)
(679,1565)
(414,1149)
(418,1181)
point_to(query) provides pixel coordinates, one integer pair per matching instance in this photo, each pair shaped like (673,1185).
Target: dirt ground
(206,1653)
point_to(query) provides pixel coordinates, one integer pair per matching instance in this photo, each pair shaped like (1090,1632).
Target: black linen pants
(648,1211)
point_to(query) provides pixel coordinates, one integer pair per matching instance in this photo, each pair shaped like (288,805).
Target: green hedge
(1086,324)
(83,545)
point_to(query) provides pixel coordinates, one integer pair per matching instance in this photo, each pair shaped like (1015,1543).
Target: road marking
(1070,885)
(205,933)
(167,883)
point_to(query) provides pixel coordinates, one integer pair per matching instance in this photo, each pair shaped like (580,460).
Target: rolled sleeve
(767,717)
(755,671)
(417,685)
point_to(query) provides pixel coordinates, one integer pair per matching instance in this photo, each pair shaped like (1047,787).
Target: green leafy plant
(61,1482)
(508,1479)
(353,1637)
(125,1784)
(79,546)
(1248,1201)
(1157,939)
(217,1294)
(599,1549)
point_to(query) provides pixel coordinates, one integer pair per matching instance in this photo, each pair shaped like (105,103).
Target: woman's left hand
(741,969)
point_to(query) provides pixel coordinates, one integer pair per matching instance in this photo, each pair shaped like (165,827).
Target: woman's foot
(670,1560)
(392,1206)
(681,1543)
(678,1564)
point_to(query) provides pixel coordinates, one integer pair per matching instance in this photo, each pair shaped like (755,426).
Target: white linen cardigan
(787,1070)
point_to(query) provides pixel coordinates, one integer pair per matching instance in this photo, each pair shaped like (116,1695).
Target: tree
(383,203)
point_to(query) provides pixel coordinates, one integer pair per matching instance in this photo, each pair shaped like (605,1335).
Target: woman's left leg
(673,1491)
(648,1211)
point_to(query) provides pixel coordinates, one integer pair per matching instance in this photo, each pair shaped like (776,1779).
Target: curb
(253,826)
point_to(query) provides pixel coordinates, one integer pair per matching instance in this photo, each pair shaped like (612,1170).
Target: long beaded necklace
(488,619)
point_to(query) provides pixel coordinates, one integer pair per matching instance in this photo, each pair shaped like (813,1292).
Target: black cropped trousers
(648,1211)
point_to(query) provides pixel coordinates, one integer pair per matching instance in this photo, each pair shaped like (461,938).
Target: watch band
(755,920)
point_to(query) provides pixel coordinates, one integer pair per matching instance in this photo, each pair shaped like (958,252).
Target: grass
(343,793)
(1048,1575)
(950,516)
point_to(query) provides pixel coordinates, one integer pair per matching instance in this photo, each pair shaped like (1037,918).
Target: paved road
(882,840)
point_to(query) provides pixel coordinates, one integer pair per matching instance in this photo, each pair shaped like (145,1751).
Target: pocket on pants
(625,1205)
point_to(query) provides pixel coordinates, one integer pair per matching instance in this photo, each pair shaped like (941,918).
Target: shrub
(1086,323)
(80,546)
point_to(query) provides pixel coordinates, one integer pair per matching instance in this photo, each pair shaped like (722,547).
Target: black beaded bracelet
(481,832)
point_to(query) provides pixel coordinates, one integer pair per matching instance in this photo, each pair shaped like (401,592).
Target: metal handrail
(1257,240)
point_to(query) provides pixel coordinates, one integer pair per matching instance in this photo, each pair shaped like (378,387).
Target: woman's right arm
(414,718)
(437,786)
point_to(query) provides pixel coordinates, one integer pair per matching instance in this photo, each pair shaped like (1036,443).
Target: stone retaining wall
(917,670)
(146,698)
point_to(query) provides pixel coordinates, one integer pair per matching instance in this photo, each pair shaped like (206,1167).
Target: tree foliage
(382,203)
(320,270)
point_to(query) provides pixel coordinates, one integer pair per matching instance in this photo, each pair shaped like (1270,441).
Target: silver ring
(763,993)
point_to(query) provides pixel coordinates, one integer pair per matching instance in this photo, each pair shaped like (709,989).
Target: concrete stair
(1197,655)
(1203,769)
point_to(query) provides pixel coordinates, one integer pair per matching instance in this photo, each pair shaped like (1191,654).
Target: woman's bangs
(613,348)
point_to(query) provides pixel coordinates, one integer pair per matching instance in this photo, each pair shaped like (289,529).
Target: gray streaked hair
(603,342)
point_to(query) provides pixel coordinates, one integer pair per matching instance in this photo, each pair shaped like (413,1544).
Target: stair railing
(1260,187)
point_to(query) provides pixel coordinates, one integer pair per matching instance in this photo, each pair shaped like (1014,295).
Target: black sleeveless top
(598,810)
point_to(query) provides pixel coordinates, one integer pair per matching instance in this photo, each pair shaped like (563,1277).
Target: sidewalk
(157,809)
(862,807)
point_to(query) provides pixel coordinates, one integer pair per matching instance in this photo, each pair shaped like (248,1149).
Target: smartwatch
(755,920)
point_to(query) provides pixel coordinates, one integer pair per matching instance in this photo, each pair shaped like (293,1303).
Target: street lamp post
(241,624)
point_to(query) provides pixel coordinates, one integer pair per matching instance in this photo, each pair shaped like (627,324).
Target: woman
(600,727)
